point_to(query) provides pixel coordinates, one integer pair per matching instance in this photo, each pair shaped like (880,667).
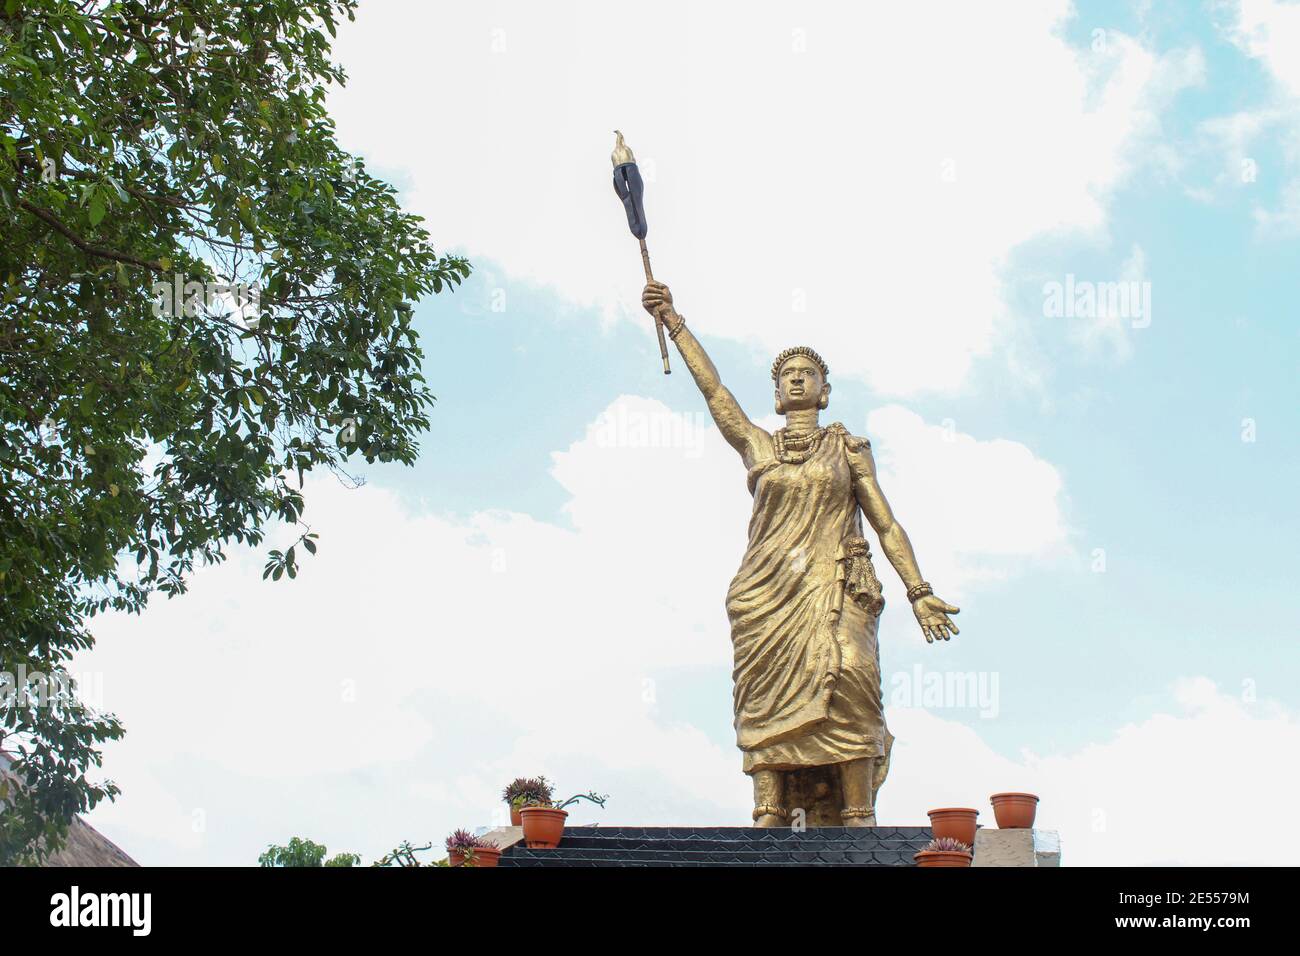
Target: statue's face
(799,384)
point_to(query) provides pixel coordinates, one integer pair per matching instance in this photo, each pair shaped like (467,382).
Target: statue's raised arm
(742,434)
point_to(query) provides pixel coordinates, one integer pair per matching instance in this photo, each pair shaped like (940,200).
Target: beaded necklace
(796,449)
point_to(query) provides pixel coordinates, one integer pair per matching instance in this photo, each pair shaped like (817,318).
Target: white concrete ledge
(505,836)
(1017,848)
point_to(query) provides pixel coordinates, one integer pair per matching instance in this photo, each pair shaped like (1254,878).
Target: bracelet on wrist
(674,330)
(919,591)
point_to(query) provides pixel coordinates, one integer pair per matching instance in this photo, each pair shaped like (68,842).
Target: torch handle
(659,323)
(645,261)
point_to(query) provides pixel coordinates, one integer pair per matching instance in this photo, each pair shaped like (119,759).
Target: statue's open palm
(932,614)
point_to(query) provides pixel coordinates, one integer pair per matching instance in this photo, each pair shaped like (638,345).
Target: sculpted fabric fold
(807,673)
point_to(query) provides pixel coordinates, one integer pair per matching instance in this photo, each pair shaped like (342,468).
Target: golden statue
(805,604)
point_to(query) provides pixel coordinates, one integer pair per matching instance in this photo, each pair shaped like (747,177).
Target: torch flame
(621,152)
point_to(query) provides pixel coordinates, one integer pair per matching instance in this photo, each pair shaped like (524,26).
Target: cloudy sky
(1109,494)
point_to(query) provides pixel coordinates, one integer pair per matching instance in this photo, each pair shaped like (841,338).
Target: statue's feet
(858,817)
(769,816)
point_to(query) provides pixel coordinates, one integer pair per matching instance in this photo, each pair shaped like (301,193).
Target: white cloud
(418,660)
(975,510)
(1197,786)
(853,178)
(1268,31)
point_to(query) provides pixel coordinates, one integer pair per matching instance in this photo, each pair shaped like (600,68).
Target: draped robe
(807,665)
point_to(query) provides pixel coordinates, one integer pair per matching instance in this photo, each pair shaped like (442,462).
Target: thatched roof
(85,846)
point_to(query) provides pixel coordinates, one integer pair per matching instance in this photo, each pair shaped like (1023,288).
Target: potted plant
(944,851)
(1014,811)
(544,819)
(466,849)
(955,822)
(523,790)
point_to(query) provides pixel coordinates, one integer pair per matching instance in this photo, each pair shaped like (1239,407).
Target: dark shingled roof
(726,846)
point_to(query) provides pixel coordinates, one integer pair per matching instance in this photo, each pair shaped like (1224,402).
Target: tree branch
(86,247)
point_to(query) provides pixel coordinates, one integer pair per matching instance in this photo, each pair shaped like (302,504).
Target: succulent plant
(946,845)
(523,791)
(462,840)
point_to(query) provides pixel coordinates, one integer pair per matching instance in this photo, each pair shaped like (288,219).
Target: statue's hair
(799,350)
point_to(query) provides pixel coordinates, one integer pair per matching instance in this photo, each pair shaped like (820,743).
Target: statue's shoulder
(854,443)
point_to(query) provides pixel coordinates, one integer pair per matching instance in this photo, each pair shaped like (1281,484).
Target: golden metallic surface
(804,606)
(622,154)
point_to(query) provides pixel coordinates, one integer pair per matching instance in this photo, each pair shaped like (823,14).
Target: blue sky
(1189,632)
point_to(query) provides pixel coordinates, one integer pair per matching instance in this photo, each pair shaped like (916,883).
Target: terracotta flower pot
(543,826)
(515,819)
(955,822)
(483,856)
(1014,811)
(942,858)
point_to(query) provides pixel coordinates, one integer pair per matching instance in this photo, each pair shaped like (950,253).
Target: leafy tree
(146,143)
(301,852)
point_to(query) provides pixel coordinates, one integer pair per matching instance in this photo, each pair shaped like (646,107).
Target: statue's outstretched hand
(932,614)
(657,300)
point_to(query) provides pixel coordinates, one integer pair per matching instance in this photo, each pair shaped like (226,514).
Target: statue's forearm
(898,548)
(893,539)
(697,360)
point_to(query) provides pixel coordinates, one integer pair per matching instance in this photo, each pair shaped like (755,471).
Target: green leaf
(96,207)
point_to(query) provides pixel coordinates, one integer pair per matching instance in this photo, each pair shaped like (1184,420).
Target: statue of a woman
(805,604)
